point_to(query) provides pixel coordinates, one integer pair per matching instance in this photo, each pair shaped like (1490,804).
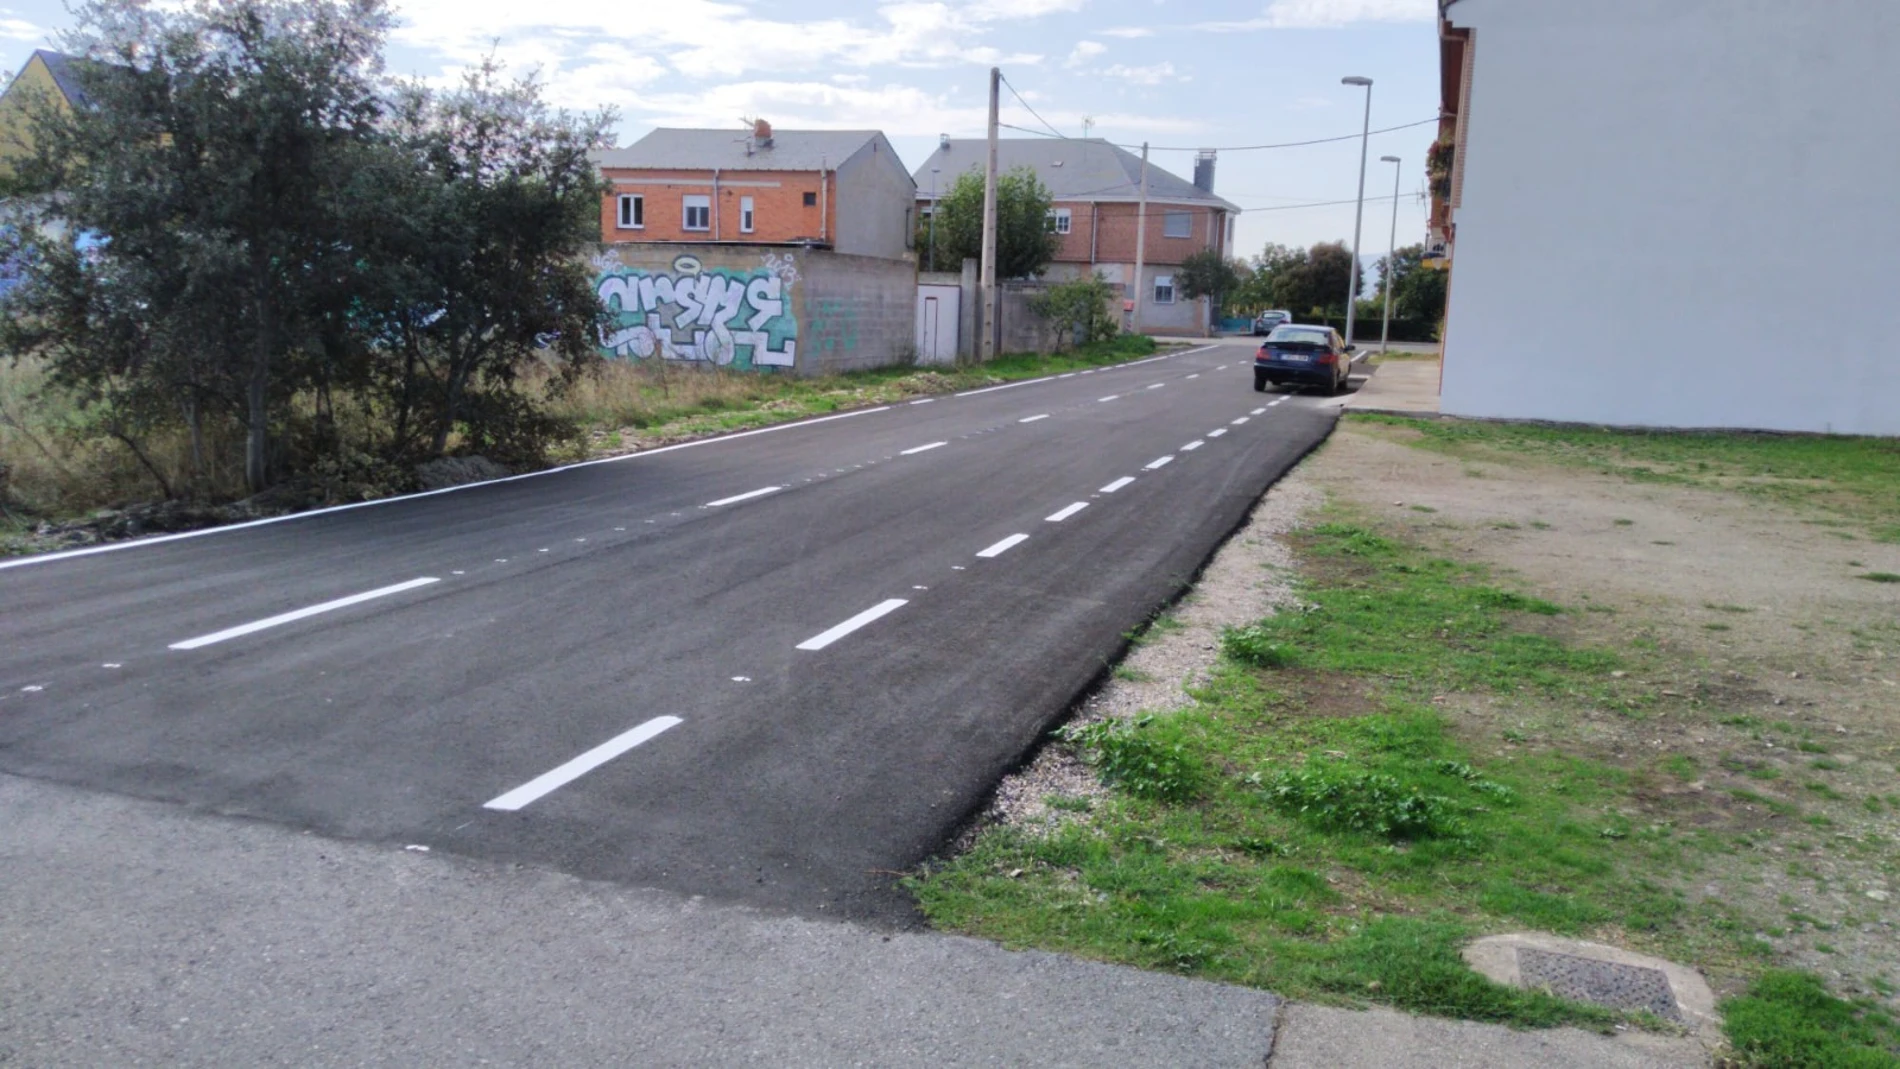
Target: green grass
(1856,479)
(1270,834)
(1788,1020)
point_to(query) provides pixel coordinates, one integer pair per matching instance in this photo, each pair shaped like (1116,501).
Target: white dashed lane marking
(1117,484)
(1217,434)
(560,777)
(1004,546)
(875,612)
(1110,397)
(1067,512)
(301,614)
(1242,420)
(1156,465)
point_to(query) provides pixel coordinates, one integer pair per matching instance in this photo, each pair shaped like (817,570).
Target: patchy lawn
(1630,688)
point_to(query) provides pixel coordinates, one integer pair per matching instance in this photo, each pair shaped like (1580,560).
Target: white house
(1674,213)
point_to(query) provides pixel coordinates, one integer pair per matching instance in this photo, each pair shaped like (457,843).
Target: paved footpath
(137,933)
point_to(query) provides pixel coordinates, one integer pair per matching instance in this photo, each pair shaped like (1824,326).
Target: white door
(937,308)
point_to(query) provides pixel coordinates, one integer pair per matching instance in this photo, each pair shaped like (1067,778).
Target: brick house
(1095,189)
(843,190)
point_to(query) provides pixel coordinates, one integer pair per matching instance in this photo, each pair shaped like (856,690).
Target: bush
(1078,310)
(1147,758)
(1257,646)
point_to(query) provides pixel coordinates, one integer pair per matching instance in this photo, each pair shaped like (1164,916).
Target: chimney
(943,142)
(1204,170)
(762,133)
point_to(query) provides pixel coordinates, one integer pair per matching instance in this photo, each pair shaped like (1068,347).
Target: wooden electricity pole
(1141,236)
(988,281)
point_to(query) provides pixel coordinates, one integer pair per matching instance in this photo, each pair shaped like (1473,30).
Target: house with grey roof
(843,190)
(1095,187)
(46,77)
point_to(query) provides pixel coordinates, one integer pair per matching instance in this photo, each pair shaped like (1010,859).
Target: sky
(1181,75)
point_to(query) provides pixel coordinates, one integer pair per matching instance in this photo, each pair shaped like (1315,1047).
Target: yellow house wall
(34,83)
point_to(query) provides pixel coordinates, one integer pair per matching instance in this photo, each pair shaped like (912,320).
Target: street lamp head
(1389,159)
(1355,80)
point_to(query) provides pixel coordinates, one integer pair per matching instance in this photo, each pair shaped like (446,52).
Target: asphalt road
(776,668)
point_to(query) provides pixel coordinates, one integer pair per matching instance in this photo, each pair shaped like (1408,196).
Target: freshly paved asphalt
(575,606)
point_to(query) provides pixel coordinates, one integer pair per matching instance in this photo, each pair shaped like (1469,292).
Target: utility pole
(1359,213)
(988,282)
(1392,254)
(933,218)
(1141,236)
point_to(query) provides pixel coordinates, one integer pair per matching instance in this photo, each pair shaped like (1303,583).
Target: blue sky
(1173,73)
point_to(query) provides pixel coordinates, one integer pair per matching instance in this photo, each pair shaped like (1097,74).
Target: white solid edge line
(1104,400)
(299,614)
(1066,513)
(46,558)
(925,401)
(560,777)
(1033,419)
(1006,386)
(1161,463)
(1192,446)
(1004,546)
(921,449)
(1070,375)
(826,638)
(1116,485)
(736,498)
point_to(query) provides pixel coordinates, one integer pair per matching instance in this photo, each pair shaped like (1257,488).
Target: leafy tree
(285,232)
(1418,292)
(1081,306)
(1207,274)
(1026,240)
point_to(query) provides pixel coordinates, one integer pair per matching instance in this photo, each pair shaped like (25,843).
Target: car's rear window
(1298,336)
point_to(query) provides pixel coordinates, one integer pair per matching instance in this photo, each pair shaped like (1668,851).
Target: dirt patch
(1771,672)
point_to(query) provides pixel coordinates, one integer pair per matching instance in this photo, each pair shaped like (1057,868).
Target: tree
(1418,292)
(285,232)
(1307,283)
(1207,274)
(1025,235)
(1079,307)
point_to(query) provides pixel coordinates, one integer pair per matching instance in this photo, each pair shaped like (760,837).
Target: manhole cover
(1605,983)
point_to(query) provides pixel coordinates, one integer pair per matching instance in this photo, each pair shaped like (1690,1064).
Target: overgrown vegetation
(1078,310)
(288,262)
(1316,822)
(1787,1020)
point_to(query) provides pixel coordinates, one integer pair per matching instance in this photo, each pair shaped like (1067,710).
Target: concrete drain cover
(1603,983)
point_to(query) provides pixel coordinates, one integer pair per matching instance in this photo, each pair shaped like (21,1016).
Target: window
(1164,289)
(633,211)
(1062,219)
(811,200)
(745,215)
(696,213)
(1177,225)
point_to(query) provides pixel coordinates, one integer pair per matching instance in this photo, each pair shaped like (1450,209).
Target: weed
(1068,803)
(1423,508)
(1881,577)
(1256,646)
(1147,757)
(1364,802)
(1713,607)
(1540,525)
(1625,523)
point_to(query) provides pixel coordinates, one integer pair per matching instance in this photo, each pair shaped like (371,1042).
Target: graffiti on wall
(734,317)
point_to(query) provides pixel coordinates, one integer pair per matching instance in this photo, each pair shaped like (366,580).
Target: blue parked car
(1303,356)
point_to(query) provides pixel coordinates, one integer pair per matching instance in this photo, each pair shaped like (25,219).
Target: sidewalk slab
(136,933)
(1320,1037)
(1406,386)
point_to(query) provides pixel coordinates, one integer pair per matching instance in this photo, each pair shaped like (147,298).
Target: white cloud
(1330,14)
(21,30)
(1128,32)
(1153,74)
(1085,51)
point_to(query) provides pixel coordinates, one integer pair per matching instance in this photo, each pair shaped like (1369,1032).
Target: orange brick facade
(780,214)
(1104,232)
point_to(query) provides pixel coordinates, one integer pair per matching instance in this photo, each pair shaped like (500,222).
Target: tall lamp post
(1359,213)
(1391,256)
(933,219)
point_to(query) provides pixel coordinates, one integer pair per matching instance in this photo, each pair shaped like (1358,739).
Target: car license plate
(1295,358)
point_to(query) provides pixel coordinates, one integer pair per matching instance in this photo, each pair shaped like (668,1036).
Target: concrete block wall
(802,311)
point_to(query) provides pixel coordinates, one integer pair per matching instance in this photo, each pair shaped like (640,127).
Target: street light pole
(1359,213)
(933,219)
(1392,255)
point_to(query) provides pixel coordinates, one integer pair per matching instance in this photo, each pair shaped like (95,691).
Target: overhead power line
(1216,148)
(1032,111)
